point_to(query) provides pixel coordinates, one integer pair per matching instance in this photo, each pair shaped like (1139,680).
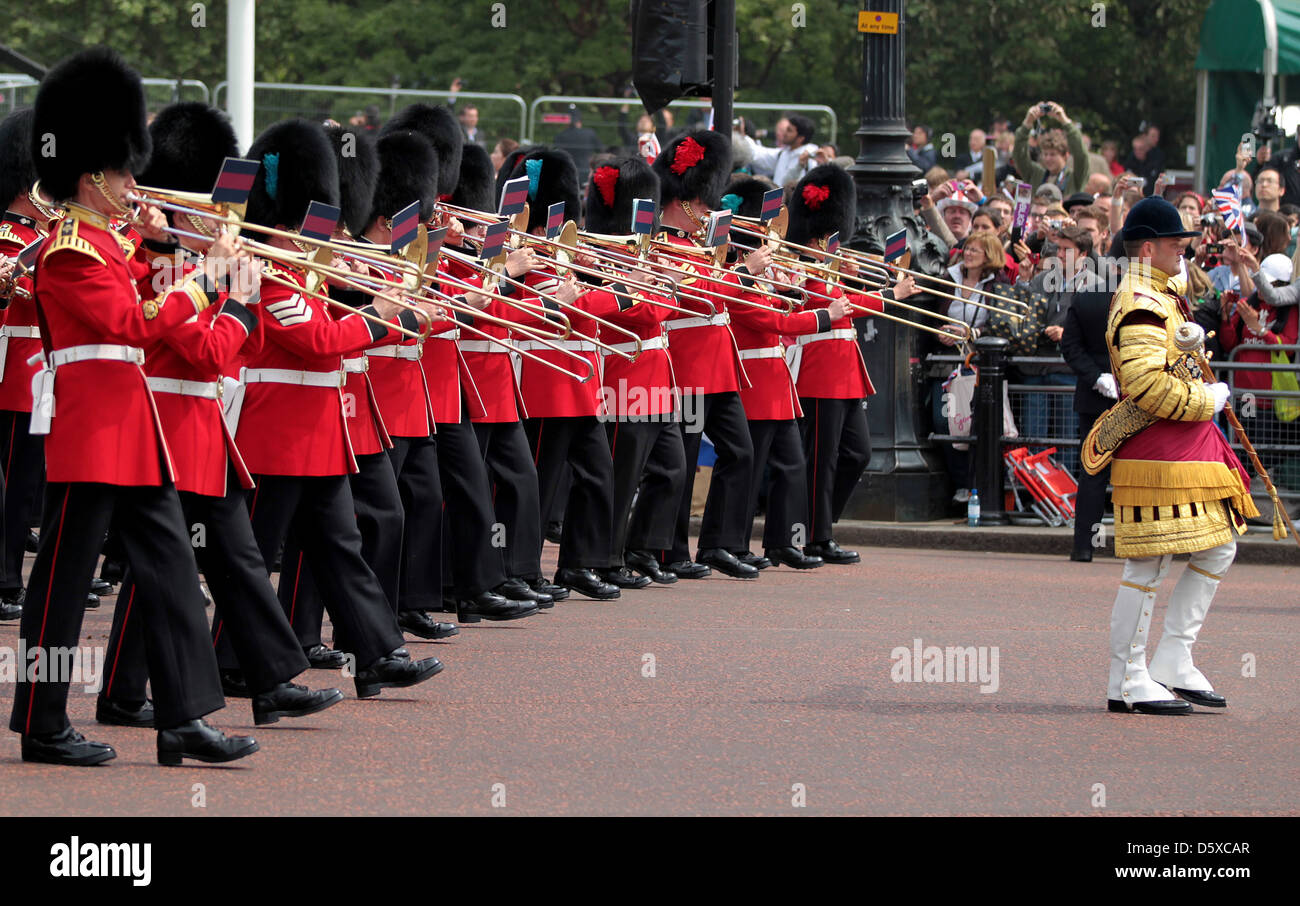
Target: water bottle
(973,509)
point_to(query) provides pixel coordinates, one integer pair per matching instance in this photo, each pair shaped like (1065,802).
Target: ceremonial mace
(1190,338)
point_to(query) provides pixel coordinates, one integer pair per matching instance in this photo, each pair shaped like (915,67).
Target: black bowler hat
(1155,218)
(1077,200)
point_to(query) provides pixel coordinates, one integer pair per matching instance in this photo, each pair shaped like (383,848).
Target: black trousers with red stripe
(726,511)
(778,451)
(419,484)
(648,454)
(516,498)
(580,443)
(249,627)
(472,556)
(319,513)
(23,463)
(177,644)
(837,444)
(377,505)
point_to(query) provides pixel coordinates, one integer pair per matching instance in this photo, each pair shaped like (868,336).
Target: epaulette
(68,238)
(7,234)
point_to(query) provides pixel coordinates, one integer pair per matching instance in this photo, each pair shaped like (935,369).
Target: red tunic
(87,296)
(201,351)
(646,386)
(547,393)
(444,368)
(16,233)
(771,394)
(832,368)
(705,357)
(301,429)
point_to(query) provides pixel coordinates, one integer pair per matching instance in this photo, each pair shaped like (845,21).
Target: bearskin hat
(744,195)
(91,106)
(823,202)
(298,167)
(552,177)
(613,188)
(507,170)
(191,140)
(408,171)
(694,165)
(358,173)
(17,172)
(475,190)
(442,130)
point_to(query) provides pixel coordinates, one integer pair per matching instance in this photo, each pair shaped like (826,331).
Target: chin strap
(101,184)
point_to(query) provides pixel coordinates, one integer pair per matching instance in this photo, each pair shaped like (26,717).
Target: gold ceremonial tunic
(1179,488)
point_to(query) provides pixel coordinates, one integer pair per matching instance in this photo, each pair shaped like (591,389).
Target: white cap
(1276,268)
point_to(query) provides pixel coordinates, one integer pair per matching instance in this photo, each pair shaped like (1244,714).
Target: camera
(1044,108)
(1056,225)
(1214,248)
(1264,127)
(920,189)
(1209,220)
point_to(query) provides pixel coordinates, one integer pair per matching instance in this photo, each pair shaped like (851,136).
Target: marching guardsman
(473,568)
(1179,487)
(563,427)
(771,406)
(692,172)
(643,431)
(23,224)
(499,427)
(408,172)
(190,142)
(94,328)
(375,493)
(830,374)
(291,423)
(27,218)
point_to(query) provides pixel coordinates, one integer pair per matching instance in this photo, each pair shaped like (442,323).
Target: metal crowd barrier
(986,422)
(18,90)
(542,126)
(500,115)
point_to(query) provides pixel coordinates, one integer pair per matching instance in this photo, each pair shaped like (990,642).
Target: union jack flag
(1228,203)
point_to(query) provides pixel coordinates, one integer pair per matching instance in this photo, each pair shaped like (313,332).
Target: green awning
(1232,36)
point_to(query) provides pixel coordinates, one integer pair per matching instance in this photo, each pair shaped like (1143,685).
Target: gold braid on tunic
(1161,506)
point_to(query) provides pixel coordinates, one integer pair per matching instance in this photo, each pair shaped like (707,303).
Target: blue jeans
(1052,415)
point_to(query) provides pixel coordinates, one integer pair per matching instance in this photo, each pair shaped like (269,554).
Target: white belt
(481,346)
(409,353)
(357,365)
(573,345)
(453,334)
(208,390)
(766,352)
(659,342)
(97,352)
(31,332)
(287,376)
(715,320)
(43,380)
(842,333)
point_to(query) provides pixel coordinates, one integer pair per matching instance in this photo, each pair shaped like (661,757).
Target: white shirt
(973,315)
(781,164)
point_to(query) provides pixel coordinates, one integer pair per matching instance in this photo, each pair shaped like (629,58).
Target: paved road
(763,693)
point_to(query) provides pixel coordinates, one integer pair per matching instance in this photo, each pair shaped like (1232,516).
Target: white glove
(1106,386)
(1221,394)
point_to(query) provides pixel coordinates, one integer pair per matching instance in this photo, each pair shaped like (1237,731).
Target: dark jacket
(1083,345)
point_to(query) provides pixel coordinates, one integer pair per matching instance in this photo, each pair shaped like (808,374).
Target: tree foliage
(965,61)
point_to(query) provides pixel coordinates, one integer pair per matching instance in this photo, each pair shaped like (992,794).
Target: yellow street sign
(878,23)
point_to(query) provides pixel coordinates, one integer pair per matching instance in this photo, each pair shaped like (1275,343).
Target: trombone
(775,234)
(313,266)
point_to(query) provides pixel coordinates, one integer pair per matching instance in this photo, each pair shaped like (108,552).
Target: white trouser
(1130,625)
(1172,664)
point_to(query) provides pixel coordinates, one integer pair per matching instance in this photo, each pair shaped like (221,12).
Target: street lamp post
(904,481)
